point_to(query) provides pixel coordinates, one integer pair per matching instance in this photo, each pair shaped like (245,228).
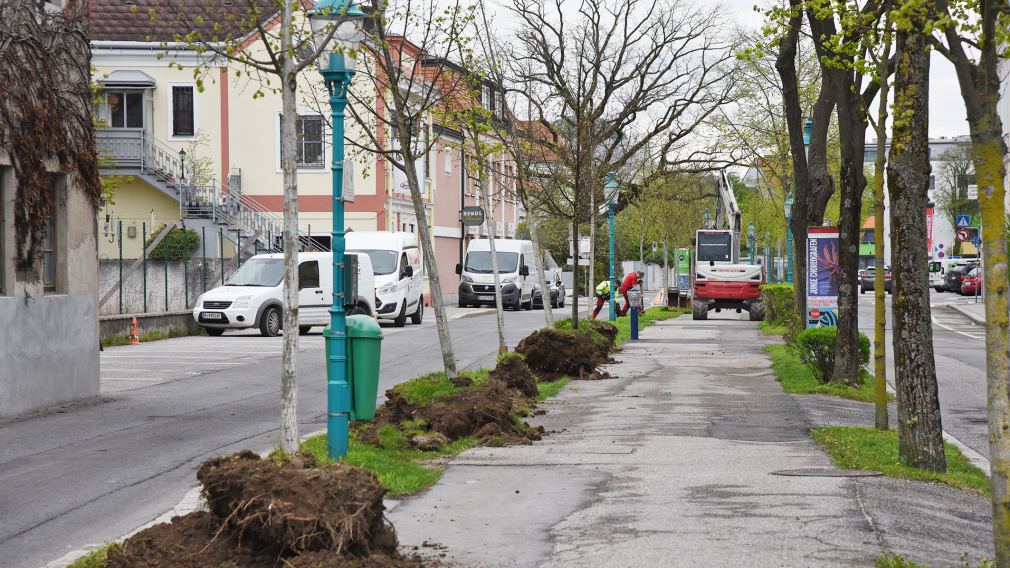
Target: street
(92,472)
(959,350)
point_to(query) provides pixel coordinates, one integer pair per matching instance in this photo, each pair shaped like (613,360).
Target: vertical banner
(822,276)
(683,260)
(929,232)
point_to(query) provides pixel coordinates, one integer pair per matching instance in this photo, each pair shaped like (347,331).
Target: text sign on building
(472,215)
(823,275)
(972,191)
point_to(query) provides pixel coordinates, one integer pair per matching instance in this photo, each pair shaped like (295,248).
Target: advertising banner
(683,261)
(822,276)
(929,231)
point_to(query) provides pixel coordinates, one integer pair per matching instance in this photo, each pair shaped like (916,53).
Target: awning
(127,78)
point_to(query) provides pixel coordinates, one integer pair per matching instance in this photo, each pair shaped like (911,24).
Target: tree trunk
(879,313)
(289,345)
(920,439)
(499,310)
(427,249)
(666,271)
(592,241)
(575,272)
(545,290)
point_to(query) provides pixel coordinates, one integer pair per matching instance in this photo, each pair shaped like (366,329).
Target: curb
(967,313)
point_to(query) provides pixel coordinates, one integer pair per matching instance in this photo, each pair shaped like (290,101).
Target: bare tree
(957,170)
(604,80)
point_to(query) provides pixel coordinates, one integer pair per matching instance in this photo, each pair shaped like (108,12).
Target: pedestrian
(602,295)
(630,281)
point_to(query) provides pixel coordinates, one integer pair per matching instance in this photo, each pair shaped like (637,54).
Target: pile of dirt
(264,513)
(553,353)
(515,374)
(607,330)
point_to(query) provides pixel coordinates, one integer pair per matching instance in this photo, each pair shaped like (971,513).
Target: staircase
(136,153)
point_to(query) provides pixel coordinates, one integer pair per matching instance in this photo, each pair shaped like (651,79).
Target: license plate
(488,298)
(212,315)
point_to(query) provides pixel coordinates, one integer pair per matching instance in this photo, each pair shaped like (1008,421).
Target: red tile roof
(164,20)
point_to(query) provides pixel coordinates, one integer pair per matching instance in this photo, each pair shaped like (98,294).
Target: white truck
(253,296)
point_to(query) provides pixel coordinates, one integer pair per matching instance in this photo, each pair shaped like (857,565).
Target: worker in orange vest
(630,281)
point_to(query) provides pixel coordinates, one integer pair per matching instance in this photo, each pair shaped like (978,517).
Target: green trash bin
(364,338)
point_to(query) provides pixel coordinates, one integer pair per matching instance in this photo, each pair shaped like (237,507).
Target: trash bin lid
(363,326)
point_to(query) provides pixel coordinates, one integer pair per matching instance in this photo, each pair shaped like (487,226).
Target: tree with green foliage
(177,245)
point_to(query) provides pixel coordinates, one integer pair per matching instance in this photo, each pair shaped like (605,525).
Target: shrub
(179,244)
(817,348)
(780,307)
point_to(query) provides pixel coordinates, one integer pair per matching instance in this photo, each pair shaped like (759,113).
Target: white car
(396,261)
(516,268)
(253,296)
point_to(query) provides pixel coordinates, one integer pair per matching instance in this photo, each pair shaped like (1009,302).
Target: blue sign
(977,241)
(963,221)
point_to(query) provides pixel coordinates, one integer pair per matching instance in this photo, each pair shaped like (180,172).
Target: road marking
(948,328)
(140,379)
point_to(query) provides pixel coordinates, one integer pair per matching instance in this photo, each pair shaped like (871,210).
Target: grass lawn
(428,388)
(645,319)
(552,388)
(896,561)
(797,378)
(772,329)
(854,447)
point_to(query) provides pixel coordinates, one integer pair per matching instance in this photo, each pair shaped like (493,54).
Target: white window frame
(327,147)
(171,110)
(447,156)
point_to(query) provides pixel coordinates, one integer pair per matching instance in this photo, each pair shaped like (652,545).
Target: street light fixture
(789,238)
(751,234)
(708,218)
(611,191)
(337,72)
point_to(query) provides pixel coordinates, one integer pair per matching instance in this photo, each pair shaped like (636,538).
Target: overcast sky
(947,116)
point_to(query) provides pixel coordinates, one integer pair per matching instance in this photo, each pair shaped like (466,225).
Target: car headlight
(241,302)
(508,280)
(199,300)
(388,288)
(467,278)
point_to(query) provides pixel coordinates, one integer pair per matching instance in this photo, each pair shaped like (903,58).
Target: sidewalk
(974,312)
(670,464)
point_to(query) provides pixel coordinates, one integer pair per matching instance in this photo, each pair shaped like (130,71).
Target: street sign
(977,241)
(472,215)
(962,235)
(972,191)
(654,247)
(963,221)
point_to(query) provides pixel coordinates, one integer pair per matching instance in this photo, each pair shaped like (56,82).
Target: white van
(516,267)
(253,296)
(396,261)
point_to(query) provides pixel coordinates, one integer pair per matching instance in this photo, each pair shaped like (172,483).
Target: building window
(448,161)
(49,245)
(126,109)
(486,97)
(183,115)
(309,142)
(3,230)
(932,182)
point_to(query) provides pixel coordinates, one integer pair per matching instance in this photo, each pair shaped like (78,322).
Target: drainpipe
(462,200)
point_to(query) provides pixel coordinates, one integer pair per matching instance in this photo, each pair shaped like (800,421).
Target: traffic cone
(134,333)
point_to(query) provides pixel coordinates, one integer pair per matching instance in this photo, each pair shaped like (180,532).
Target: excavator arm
(727,212)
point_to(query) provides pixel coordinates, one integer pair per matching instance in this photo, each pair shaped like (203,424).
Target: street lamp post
(789,238)
(708,218)
(182,180)
(337,74)
(611,190)
(751,234)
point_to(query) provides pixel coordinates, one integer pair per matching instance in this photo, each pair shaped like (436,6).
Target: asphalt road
(92,472)
(959,351)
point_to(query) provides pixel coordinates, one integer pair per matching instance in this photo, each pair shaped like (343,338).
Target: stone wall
(186,281)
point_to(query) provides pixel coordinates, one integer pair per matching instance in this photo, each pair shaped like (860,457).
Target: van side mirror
(408,271)
(459,268)
(524,270)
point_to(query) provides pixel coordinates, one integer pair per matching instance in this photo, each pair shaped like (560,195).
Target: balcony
(135,151)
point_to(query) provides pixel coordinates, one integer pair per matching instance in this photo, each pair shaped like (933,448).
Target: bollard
(634,322)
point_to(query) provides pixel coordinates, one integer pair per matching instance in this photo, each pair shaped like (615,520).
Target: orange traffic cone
(134,333)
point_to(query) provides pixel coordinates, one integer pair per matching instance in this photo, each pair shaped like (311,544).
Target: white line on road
(141,379)
(948,328)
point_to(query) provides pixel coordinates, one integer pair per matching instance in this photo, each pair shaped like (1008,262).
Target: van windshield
(480,261)
(934,266)
(258,272)
(383,261)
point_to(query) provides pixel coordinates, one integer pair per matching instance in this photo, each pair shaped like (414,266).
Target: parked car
(971,285)
(396,261)
(956,275)
(516,268)
(557,291)
(253,296)
(867,280)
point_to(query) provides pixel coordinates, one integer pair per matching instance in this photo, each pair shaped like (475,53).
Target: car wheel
(270,322)
(461,304)
(862,290)
(401,320)
(700,311)
(561,301)
(359,311)
(214,331)
(757,311)
(304,329)
(418,316)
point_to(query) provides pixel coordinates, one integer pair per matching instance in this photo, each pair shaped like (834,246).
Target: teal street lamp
(751,234)
(789,238)
(342,21)
(708,218)
(611,191)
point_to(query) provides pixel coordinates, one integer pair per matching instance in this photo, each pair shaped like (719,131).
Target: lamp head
(789,205)
(751,231)
(347,17)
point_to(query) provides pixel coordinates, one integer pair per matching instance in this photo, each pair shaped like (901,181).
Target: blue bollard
(634,322)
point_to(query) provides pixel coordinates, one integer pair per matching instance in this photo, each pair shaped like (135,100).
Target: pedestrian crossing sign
(963,221)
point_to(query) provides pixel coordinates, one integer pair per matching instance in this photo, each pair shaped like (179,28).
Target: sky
(947,115)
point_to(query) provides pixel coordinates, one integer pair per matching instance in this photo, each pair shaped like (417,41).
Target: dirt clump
(192,541)
(607,330)
(515,374)
(553,353)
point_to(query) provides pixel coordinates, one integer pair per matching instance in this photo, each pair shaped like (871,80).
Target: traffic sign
(963,221)
(977,241)
(962,235)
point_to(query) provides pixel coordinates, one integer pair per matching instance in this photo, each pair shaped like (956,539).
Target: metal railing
(134,148)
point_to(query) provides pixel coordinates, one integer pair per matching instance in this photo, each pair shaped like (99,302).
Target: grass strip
(646,319)
(854,447)
(428,388)
(154,335)
(772,329)
(96,558)
(551,389)
(896,561)
(797,378)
